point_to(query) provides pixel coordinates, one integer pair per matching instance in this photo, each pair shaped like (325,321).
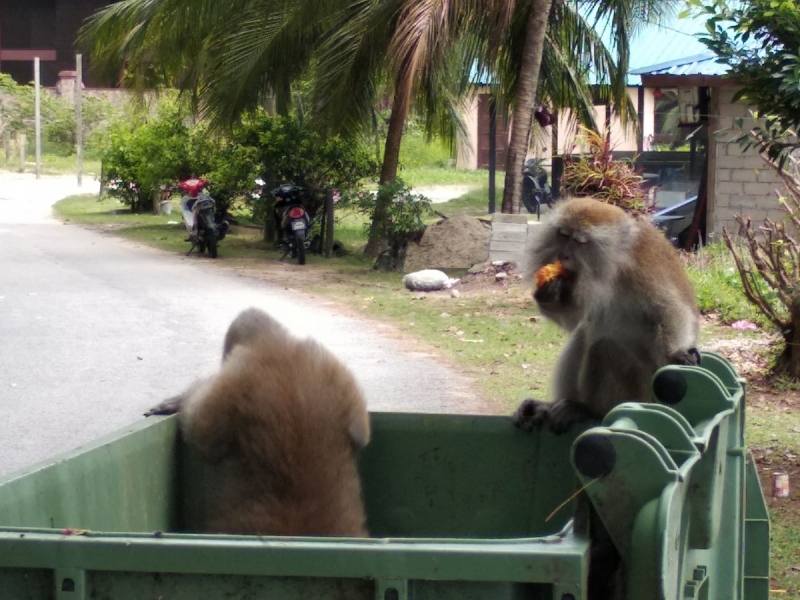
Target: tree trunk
(391,160)
(535,33)
(788,363)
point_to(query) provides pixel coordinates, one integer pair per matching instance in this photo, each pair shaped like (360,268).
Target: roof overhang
(676,81)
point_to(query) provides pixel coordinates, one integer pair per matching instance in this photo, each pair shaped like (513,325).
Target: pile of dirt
(455,243)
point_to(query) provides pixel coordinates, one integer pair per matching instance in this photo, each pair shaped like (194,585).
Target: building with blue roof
(669,67)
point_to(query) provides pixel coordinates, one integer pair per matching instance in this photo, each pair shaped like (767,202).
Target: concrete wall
(742,183)
(622,138)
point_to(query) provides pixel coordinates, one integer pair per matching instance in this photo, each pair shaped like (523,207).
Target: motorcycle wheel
(300,246)
(211,240)
(528,197)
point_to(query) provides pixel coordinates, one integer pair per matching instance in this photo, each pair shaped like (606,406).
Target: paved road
(94,330)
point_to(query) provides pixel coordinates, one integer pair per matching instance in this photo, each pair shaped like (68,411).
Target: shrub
(768,261)
(150,148)
(405,222)
(283,149)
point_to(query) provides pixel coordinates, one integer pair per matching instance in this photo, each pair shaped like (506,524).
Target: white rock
(455,293)
(501,275)
(428,280)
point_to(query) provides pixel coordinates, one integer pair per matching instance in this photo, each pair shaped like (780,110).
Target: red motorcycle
(199,217)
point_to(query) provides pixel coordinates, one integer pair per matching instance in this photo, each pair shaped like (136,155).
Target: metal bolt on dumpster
(459,507)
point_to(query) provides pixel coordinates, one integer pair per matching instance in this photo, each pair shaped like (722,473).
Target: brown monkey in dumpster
(617,285)
(278,429)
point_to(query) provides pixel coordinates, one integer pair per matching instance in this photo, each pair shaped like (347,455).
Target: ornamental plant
(599,175)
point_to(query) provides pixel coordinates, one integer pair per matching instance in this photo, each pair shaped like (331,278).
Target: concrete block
(506,218)
(506,228)
(730,162)
(758,190)
(511,246)
(729,187)
(725,175)
(743,175)
(767,175)
(751,160)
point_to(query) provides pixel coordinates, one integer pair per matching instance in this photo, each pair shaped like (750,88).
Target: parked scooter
(535,187)
(199,217)
(292,221)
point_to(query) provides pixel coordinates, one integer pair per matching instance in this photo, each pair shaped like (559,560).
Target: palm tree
(234,53)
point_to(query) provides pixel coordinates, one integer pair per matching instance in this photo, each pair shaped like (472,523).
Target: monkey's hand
(556,293)
(170,406)
(559,415)
(690,357)
(173,404)
(530,414)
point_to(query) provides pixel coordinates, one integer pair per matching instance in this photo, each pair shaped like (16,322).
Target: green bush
(284,149)
(17,115)
(406,218)
(150,148)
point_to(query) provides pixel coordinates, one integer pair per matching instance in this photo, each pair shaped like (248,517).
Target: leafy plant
(405,221)
(602,177)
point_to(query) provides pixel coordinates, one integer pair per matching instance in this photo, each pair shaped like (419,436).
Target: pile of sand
(456,243)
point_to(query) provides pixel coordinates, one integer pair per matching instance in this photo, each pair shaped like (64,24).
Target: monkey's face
(571,248)
(592,252)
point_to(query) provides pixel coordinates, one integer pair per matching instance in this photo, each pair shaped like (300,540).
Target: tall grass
(717,284)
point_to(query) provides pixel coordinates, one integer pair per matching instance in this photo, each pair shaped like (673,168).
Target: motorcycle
(292,221)
(535,188)
(205,229)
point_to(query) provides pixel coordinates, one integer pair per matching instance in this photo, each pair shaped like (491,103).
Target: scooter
(535,188)
(199,217)
(292,221)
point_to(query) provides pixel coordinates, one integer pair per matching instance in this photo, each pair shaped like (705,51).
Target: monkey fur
(278,429)
(626,301)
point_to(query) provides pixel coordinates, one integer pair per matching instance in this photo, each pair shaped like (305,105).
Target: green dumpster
(460,507)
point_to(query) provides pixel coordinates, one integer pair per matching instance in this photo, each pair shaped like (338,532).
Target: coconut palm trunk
(391,161)
(535,34)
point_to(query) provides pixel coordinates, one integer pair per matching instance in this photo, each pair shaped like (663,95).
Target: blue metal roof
(702,64)
(670,47)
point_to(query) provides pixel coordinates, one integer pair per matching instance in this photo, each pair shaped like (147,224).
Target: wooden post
(328,237)
(492,151)
(38,116)
(22,143)
(79,115)
(640,117)
(102,178)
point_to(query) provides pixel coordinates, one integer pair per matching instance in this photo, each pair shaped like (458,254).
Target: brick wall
(742,183)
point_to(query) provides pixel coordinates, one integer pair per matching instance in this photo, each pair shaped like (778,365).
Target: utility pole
(79,115)
(38,110)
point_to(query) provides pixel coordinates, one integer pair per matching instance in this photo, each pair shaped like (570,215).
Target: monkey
(621,292)
(278,429)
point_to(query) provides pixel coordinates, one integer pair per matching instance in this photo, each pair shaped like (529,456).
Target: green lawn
(53,164)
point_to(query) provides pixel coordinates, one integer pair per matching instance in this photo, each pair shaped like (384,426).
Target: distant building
(44,28)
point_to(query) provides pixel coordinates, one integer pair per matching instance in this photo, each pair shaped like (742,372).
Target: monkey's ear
(359,430)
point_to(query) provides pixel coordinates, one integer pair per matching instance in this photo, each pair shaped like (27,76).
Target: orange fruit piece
(549,272)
